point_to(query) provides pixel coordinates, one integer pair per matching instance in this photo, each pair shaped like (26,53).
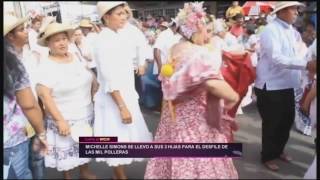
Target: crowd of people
(197,70)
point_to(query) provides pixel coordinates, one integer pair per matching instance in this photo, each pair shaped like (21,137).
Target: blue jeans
(151,91)
(36,161)
(19,157)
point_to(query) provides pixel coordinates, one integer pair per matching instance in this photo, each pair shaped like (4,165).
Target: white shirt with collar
(164,42)
(139,42)
(87,48)
(279,66)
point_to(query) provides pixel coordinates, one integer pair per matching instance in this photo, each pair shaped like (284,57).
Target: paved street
(300,147)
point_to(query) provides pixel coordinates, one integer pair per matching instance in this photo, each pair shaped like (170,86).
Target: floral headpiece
(189,17)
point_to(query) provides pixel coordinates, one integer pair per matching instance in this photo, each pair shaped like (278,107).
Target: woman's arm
(223,90)
(45,96)
(31,109)
(124,112)
(309,98)
(157,57)
(95,85)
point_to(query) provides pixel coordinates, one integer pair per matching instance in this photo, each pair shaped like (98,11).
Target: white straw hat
(164,24)
(284,4)
(46,21)
(10,22)
(86,23)
(105,6)
(53,29)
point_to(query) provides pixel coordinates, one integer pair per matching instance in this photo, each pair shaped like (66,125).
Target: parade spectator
(252,44)
(261,23)
(19,106)
(233,10)
(82,49)
(65,87)
(89,37)
(165,40)
(309,107)
(277,76)
(117,111)
(151,91)
(224,40)
(302,120)
(139,46)
(237,28)
(163,26)
(150,22)
(36,24)
(309,33)
(184,118)
(17,36)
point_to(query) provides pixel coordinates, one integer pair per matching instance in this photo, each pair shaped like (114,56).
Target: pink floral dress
(190,125)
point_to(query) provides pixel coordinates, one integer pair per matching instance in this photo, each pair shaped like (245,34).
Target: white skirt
(108,122)
(312,170)
(63,151)
(313,113)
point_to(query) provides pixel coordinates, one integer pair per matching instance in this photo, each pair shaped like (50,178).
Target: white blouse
(71,87)
(139,42)
(114,54)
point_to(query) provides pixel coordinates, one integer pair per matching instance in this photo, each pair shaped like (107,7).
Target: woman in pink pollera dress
(197,93)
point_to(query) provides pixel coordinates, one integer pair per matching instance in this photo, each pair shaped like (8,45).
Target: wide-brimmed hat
(10,22)
(46,21)
(53,29)
(86,23)
(105,6)
(284,4)
(173,22)
(164,24)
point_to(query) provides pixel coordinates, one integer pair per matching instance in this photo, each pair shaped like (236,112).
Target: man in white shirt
(278,72)
(164,42)
(33,33)
(88,39)
(139,46)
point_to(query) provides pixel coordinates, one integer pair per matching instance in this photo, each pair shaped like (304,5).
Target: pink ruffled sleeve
(190,73)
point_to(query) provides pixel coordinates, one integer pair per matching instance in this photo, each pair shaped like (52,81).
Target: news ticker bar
(108,147)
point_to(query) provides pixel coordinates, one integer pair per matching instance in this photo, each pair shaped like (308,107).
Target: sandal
(285,158)
(271,166)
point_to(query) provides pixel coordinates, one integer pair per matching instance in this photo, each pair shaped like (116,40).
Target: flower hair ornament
(188,20)
(190,17)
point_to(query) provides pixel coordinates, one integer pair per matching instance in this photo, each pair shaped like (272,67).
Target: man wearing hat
(85,26)
(163,26)
(15,33)
(165,40)
(89,38)
(278,73)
